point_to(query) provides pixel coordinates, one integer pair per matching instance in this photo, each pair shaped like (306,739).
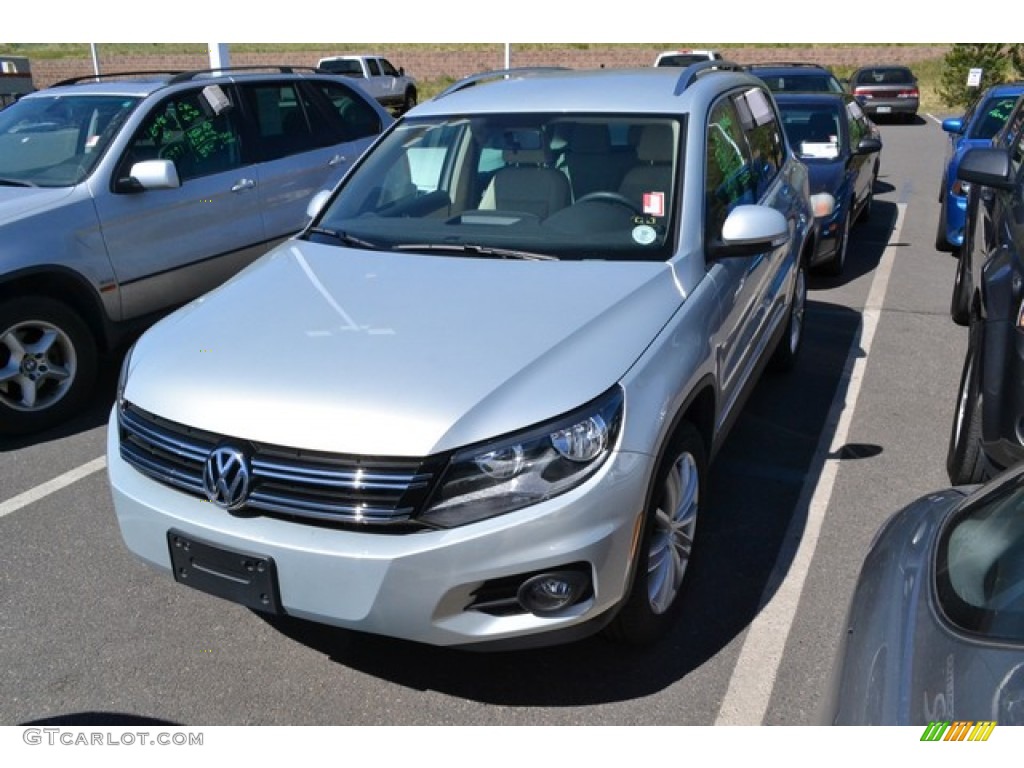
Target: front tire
(666,542)
(835,265)
(959,303)
(47,364)
(409,101)
(869,203)
(965,460)
(784,356)
(941,243)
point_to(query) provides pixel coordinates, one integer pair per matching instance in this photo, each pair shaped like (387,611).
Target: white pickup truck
(378,77)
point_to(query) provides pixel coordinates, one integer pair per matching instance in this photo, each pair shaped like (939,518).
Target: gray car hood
(397,354)
(18,202)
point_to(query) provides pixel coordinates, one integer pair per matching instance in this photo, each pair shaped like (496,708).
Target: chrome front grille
(311,485)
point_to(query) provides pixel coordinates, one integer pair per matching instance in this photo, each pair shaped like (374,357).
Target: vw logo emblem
(226,477)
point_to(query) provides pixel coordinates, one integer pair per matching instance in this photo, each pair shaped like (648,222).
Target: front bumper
(956,218)
(415,586)
(828,242)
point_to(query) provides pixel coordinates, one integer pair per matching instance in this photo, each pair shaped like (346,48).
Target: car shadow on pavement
(757,490)
(90,719)
(868,241)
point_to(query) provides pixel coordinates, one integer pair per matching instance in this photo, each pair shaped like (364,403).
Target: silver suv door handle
(243,184)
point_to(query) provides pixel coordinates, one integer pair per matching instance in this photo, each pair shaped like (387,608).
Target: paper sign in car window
(215,97)
(826,150)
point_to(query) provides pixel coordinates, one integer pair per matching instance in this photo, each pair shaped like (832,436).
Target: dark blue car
(842,149)
(983,119)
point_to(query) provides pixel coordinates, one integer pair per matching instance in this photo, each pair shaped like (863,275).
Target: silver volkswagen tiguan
(474,402)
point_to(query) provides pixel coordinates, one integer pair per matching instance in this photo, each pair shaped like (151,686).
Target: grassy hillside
(842,58)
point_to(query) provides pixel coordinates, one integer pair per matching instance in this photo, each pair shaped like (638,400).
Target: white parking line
(750,687)
(51,486)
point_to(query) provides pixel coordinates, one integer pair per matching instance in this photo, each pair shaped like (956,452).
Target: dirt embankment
(428,63)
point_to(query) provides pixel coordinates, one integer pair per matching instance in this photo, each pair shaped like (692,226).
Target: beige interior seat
(527,184)
(653,171)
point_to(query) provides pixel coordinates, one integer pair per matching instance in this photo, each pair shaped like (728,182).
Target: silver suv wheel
(47,363)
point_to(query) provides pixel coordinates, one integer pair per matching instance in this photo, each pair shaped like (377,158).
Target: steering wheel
(610,197)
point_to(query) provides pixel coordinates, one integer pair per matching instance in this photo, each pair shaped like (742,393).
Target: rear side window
(352,116)
(286,122)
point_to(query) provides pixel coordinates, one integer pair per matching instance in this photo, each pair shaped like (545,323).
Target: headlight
(123,377)
(527,468)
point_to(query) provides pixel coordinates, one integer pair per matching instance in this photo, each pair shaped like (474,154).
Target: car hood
(872,679)
(18,202)
(826,175)
(397,354)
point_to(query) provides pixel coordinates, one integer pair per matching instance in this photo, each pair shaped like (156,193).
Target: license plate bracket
(241,577)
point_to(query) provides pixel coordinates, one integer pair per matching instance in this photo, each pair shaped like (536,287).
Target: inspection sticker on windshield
(654,203)
(644,234)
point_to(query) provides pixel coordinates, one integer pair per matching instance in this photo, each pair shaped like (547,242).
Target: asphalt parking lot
(819,458)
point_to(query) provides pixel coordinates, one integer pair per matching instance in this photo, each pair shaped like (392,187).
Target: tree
(996,61)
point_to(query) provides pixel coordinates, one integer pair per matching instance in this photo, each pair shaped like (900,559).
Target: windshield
(813,130)
(992,117)
(682,59)
(568,187)
(55,141)
(810,82)
(980,567)
(895,76)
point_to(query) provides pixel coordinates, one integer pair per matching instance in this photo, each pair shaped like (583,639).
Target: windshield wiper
(15,183)
(346,238)
(477,250)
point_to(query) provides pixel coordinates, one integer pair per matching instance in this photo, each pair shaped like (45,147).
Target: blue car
(982,121)
(841,148)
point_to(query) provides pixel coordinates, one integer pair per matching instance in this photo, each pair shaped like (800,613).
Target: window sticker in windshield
(654,203)
(644,234)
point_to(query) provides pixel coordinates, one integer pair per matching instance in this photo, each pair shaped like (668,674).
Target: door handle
(243,184)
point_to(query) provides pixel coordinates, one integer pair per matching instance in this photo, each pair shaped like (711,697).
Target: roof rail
(111,75)
(286,69)
(495,74)
(691,74)
(785,64)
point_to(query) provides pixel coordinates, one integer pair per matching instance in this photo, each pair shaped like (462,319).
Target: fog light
(548,593)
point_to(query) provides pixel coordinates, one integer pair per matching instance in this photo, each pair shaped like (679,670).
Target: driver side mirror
(150,174)
(749,230)
(317,202)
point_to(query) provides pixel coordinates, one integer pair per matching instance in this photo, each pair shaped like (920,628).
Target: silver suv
(127,195)
(474,402)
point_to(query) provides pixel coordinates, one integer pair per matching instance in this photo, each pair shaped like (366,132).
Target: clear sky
(525,21)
